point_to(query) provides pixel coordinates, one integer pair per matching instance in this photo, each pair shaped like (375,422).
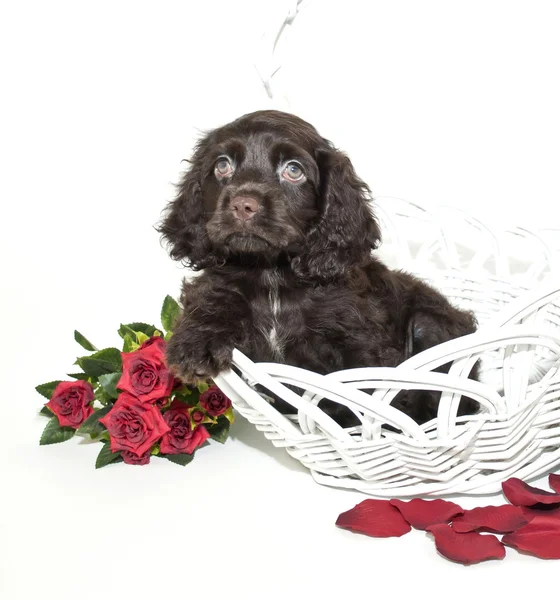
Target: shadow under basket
(510,279)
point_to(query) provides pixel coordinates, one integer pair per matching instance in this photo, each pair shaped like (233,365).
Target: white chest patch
(272,331)
(273,339)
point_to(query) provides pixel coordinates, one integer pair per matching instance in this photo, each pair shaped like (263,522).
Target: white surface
(437,101)
(243,516)
(100,103)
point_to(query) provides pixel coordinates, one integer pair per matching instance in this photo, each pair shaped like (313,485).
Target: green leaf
(129,344)
(229,415)
(102,362)
(185,395)
(46,389)
(125,330)
(220,431)
(202,386)
(179,459)
(46,411)
(142,337)
(103,397)
(92,426)
(80,376)
(54,433)
(169,313)
(106,457)
(149,330)
(109,383)
(84,342)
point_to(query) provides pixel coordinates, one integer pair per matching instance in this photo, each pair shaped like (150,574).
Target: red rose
(214,401)
(155,340)
(145,374)
(133,425)
(181,438)
(197,416)
(70,402)
(130,458)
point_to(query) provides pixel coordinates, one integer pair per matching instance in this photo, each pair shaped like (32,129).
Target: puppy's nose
(244,207)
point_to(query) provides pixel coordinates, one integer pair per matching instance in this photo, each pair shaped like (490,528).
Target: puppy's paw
(192,363)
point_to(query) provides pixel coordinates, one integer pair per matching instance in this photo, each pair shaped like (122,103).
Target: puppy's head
(268,186)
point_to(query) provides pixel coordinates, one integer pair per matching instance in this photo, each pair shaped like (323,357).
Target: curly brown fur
(288,271)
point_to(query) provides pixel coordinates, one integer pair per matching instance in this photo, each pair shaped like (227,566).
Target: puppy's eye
(293,172)
(223,167)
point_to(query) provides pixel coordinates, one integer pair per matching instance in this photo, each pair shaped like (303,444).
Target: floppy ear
(184,224)
(346,231)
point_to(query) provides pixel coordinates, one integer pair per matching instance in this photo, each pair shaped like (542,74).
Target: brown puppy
(283,229)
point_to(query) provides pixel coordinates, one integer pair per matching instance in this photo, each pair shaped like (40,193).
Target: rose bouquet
(131,402)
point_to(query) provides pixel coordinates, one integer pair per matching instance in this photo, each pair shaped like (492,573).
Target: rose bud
(214,401)
(197,416)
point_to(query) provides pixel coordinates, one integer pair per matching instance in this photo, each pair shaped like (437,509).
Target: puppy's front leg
(212,324)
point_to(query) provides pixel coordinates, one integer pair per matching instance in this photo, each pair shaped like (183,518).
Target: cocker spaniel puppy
(282,228)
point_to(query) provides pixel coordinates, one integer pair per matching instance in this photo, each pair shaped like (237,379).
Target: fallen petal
(377,518)
(521,494)
(541,537)
(497,519)
(423,513)
(466,548)
(542,511)
(554,482)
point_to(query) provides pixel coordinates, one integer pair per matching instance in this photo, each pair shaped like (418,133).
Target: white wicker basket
(510,279)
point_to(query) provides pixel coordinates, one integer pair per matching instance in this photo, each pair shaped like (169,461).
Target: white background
(446,102)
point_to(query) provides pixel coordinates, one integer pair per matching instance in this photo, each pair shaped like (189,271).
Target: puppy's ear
(183,226)
(347,230)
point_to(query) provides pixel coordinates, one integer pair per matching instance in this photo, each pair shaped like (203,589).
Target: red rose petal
(554,482)
(423,513)
(498,519)
(521,494)
(540,537)
(377,518)
(531,513)
(466,548)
